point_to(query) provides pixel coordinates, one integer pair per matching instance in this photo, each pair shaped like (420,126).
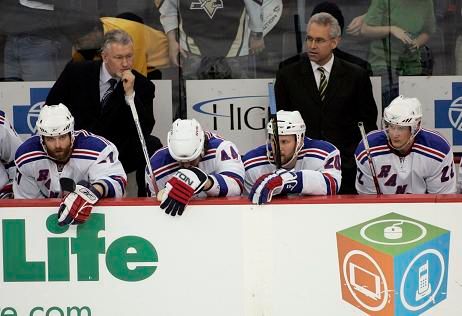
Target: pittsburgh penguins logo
(209,6)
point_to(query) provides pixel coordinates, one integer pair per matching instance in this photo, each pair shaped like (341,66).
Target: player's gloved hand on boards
(271,184)
(7,191)
(75,207)
(180,189)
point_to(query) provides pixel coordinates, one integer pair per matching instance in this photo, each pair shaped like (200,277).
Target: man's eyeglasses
(317,40)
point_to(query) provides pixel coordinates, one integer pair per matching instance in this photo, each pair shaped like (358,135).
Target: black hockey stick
(274,123)
(369,158)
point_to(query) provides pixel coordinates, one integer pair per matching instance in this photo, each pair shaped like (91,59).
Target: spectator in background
(400,30)
(97,93)
(207,38)
(194,163)
(149,45)
(408,158)
(331,94)
(34,43)
(58,152)
(308,166)
(9,143)
(458,48)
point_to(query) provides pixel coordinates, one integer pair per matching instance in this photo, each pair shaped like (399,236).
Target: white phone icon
(424,288)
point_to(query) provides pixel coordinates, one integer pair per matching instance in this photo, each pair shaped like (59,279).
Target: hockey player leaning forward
(58,152)
(309,166)
(407,157)
(194,163)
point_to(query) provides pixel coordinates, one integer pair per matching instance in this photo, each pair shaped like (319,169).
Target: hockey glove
(271,184)
(7,191)
(75,208)
(180,189)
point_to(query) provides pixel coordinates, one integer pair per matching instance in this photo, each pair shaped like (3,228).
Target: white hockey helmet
(404,111)
(289,123)
(55,120)
(185,140)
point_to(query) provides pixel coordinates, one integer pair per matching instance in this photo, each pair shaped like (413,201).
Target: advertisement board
(293,257)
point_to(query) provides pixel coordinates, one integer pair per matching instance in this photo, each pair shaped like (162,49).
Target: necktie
(322,83)
(108,92)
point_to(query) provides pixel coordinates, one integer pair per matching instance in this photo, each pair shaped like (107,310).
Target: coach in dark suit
(333,99)
(97,94)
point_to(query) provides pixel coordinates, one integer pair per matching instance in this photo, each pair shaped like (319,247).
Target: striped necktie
(322,83)
(108,92)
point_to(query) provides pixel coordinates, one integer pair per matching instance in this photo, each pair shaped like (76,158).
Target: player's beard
(61,155)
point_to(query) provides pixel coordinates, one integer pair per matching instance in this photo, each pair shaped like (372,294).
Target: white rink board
(237,109)
(21,94)
(222,260)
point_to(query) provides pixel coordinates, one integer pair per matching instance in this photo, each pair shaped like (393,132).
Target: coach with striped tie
(331,94)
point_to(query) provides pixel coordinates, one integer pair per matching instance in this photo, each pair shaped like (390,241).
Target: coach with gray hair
(331,94)
(97,94)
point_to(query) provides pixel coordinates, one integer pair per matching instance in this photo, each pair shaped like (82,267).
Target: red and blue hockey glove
(181,188)
(271,184)
(7,191)
(75,208)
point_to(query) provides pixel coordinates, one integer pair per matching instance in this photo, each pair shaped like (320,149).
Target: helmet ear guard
(185,140)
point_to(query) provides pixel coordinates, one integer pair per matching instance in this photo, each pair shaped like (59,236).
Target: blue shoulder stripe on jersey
(264,162)
(161,158)
(83,157)
(214,142)
(254,153)
(30,145)
(426,154)
(433,140)
(222,184)
(374,138)
(309,143)
(375,154)
(34,158)
(85,140)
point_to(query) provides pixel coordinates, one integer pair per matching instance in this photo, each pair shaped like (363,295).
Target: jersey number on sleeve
(444,173)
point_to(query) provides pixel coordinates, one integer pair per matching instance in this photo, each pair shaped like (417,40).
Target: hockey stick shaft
(274,119)
(369,158)
(131,103)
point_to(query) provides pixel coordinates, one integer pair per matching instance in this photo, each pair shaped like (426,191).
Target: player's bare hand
(402,35)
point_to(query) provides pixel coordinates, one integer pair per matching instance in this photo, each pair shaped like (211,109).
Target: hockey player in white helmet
(308,166)
(407,157)
(9,143)
(194,162)
(59,152)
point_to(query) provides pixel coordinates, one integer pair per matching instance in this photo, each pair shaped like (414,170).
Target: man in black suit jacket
(85,88)
(346,100)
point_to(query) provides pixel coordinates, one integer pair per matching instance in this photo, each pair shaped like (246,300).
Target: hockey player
(9,143)
(309,166)
(194,163)
(407,157)
(59,152)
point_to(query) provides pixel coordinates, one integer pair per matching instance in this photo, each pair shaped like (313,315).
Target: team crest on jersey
(209,6)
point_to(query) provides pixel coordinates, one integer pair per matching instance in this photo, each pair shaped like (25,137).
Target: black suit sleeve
(368,108)
(282,93)
(144,106)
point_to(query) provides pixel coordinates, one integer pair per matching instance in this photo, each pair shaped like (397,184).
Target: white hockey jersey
(427,168)
(93,159)
(318,168)
(221,161)
(9,143)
